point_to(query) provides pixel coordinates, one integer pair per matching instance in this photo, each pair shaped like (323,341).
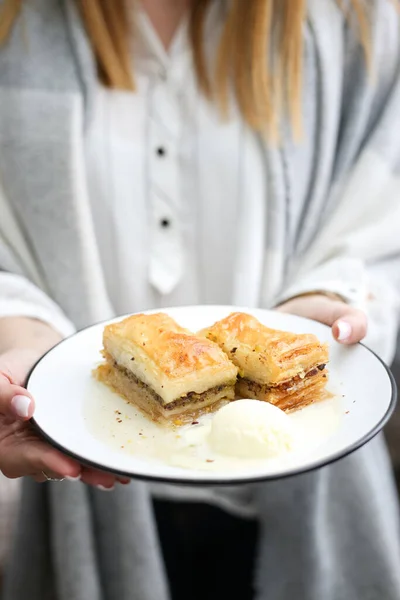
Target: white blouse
(178,196)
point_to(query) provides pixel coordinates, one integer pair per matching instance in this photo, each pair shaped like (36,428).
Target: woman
(136,174)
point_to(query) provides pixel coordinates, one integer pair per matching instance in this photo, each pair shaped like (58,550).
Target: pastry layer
(166,357)
(263,355)
(183,409)
(297,393)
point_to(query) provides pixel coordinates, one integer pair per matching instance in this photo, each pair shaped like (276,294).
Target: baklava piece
(168,372)
(285,369)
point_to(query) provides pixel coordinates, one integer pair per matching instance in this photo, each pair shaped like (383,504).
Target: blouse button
(161,151)
(165,223)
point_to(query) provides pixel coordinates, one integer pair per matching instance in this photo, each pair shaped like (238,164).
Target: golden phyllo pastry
(168,372)
(286,369)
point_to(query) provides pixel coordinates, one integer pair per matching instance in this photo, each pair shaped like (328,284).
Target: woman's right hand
(22,451)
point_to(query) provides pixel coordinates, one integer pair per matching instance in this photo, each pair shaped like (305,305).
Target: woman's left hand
(349,325)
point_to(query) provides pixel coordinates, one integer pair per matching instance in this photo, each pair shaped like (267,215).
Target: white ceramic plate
(87,421)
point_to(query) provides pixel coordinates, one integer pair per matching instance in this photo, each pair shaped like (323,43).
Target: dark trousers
(209,554)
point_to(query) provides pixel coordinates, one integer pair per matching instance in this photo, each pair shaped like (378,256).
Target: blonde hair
(266,84)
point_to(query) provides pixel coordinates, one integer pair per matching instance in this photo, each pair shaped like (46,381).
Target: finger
(124,480)
(15,401)
(55,464)
(99,479)
(317,307)
(16,364)
(31,456)
(350,327)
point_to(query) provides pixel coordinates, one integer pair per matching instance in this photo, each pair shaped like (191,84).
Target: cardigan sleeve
(21,288)
(355,251)
(19,297)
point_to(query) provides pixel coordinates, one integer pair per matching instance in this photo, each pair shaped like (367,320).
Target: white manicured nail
(344,330)
(105,489)
(21,405)
(78,478)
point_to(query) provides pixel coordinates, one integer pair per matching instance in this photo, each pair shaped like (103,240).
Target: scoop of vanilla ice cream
(251,429)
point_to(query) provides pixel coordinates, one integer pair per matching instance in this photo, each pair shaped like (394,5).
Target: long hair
(267,82)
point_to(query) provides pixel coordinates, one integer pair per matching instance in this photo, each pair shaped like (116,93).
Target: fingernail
(21,406)
(69,478)
(344,331)
(105,489)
